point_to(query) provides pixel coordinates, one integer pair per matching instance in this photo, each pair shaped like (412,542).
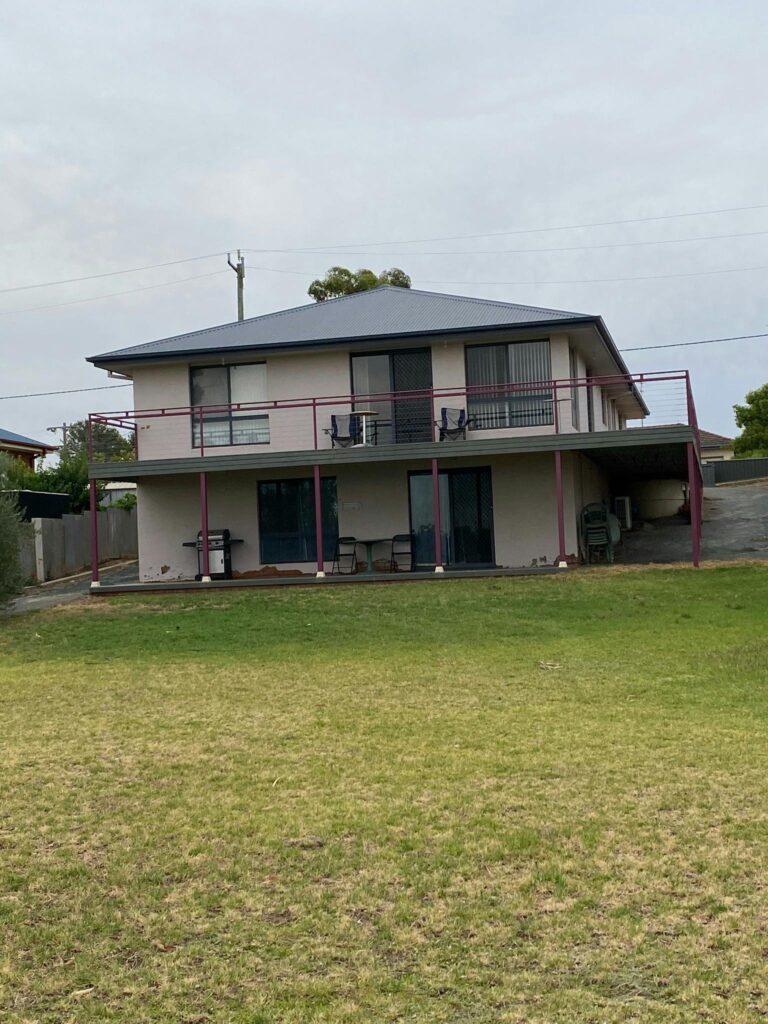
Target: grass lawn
(514,800)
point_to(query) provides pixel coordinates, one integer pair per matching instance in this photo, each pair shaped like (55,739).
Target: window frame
(547,394)
(230,417)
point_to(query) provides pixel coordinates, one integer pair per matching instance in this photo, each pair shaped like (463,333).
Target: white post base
(562,565)
(94,584)
(205,579)
(319,575)
(439,568)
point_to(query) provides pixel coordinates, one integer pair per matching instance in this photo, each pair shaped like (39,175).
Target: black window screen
(287,520)
(494,368)
(213,389)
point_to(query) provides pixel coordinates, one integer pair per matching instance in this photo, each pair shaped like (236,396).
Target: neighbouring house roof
(710,440)
(382,312)
(20,441)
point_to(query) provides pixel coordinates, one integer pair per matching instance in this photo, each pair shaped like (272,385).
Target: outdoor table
(369,548)
(364,415)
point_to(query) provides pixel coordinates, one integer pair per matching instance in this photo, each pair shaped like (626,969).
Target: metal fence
(732,470)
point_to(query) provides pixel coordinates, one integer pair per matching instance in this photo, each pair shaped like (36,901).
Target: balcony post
(694,504)
(320,574)
(439,567)
(561,559)
(205,568)
(94,524)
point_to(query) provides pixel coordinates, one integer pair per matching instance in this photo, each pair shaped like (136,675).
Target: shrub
(11,580)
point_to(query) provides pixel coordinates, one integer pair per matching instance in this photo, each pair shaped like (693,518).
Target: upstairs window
(216,388)
(492,366)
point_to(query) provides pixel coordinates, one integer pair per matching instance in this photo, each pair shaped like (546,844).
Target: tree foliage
(70,477)
(341,281)
(108,444)
(11,579)
(752,419)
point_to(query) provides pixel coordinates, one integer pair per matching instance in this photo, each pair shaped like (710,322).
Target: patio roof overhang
(643,451)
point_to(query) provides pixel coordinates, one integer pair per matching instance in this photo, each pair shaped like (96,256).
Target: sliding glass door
(466,518)
(376,376)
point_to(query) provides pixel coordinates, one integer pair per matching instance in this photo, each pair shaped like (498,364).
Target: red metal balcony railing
(550,406)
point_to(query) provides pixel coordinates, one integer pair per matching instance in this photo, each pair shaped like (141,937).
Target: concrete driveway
(735,526)
(50,595)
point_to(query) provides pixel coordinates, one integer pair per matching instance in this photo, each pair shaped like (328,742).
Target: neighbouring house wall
(716,454)
(372,502)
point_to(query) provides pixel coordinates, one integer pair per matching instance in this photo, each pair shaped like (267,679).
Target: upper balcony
(366,426)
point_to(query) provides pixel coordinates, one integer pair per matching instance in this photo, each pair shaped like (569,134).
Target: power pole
(239,269)
(63,428)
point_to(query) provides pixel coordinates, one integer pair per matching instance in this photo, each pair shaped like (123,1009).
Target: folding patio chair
(452,424)
(345,557)
(344,431)
(401,553)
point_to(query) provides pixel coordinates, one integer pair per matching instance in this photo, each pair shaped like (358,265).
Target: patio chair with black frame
(452,424)
(344,430)
(401,553)
(345,557)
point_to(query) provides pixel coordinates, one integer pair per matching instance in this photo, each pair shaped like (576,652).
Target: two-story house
(477,430)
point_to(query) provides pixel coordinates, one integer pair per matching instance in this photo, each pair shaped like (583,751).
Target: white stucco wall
(372,501)
(323,375)
(657,498)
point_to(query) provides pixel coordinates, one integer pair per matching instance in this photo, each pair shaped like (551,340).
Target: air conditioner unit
(622,508)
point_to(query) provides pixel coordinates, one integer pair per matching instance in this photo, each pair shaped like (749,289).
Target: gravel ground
(735,526)
(52,594)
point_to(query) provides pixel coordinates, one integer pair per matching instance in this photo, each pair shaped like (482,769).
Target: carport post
(694,503)
(561,559)
(319,523)
(439,567)
(94,524)
(205,568)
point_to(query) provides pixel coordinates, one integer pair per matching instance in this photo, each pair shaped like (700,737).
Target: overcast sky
(140,133)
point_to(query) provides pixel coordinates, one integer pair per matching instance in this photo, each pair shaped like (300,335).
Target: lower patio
(463,509)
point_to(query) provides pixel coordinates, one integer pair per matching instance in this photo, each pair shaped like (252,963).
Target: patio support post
(438,524)
(319,523)
(94,524)
(205,568)
(694,503)
(561,559)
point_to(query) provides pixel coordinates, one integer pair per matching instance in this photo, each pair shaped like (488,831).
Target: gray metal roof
(11,438)
(381,312)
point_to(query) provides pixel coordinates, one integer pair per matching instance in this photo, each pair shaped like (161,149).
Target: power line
(639,348)
(687,344)
(588,280)
(533,231)
(110,295)
(513,252)
(67,391)
(111,273)
(274,270)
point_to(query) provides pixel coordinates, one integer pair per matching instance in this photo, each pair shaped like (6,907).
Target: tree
(108,444)
(11,580)
(70,477)
(752,418)
(341,281)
